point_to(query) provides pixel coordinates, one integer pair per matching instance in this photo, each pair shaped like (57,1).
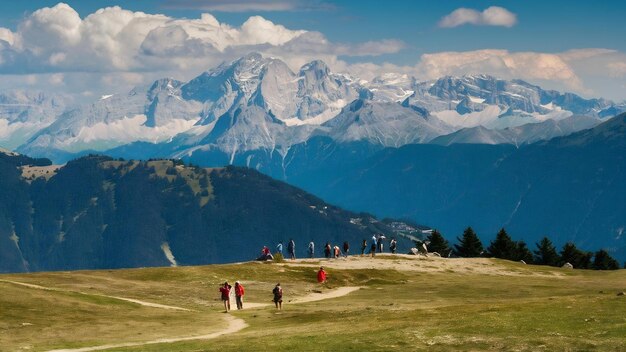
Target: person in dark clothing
(225,291)
(346,248)
(291,248)
(327,250)
(278,296)
(393,245)
(363,247)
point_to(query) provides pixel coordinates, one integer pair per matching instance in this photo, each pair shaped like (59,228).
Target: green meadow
(403,303)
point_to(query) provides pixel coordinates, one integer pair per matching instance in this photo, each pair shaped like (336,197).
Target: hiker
(311,249)
(392,245)
(380,243)
(346,248)
(321,275)
(279,247)
(373,246)
(336,251)
(291,248)
(363,247)
(278,296)
(327,250)
(225,290)
(239,292)
(265,254)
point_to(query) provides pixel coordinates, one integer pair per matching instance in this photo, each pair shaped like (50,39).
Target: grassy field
(404,304)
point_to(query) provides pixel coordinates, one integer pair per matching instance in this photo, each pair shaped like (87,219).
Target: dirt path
(234,324)
(132,300)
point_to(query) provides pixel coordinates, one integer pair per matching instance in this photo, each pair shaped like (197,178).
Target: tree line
(504,247)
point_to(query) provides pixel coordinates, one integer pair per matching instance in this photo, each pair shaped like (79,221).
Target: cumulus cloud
(502,63)
(248,5)
(492,16)
(113,49)
(113,39)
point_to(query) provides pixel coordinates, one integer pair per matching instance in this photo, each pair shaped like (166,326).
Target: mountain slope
(97,212)
(258,105)
(569,188)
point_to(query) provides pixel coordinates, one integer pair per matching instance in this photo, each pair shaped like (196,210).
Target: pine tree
(576,257)
(523,253)
(603,261)
(502,247)
(546,253)
(469,245)
(438,243)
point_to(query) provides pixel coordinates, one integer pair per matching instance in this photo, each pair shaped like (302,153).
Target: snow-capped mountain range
(260,103)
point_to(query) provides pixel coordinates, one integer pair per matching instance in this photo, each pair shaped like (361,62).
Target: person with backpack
(291,247)
(346,248)
(311,249)
(239,292)
(327,250)
(225,291)
(337,251)
(279,248)
(321,275)
(278,296)
(393,245)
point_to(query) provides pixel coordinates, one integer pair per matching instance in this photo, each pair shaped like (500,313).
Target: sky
(94,47)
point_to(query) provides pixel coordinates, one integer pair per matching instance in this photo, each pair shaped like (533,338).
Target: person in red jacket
(239,292)
(321,275)
(225,290)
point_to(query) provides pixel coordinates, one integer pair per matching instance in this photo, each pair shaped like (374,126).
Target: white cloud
(248,5)
(113,39)
(6,35)
(114,49)
(502,63)
(492,16)
(57,79)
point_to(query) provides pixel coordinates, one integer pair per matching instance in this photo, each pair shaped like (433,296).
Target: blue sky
(397,33)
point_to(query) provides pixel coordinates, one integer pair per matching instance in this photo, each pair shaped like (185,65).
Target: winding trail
(234,324)
(132,300)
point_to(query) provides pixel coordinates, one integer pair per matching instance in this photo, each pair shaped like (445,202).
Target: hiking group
(331,251)
(226,288)
(239,292)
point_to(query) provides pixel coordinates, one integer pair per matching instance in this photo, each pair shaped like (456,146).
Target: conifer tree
(546,253)
(523,253)
(576,257)
(603,261)
(438,243)
(502,246)
(469,245)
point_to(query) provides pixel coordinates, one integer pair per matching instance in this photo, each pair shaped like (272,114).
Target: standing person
(363,247)
(279,247)
(380,243)
(278,296)
(311,249)
(321,275)
(291,247)
(392,245)
(373,246)
(346,248)
(225,290)
(337,251)
(327,250)
(239,292)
